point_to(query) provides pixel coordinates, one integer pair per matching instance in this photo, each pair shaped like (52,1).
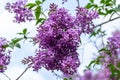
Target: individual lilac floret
(22,14)
(84,19)
(53,7)
(4,56)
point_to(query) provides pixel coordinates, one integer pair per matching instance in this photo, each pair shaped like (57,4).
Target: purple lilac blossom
(103,74)
(58,40)
(22,14)
(53,7)
(84,19)
(114,43)
(106,60)
(4,56)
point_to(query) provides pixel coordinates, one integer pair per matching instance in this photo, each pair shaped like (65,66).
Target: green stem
(78,3)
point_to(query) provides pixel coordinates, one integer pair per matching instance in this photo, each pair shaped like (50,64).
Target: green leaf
(92,1)
(41,20)
(114,2)
(18,45)
(11,45)
(1,67)
(16,40)
(93,34)
(102,13)
(118,8)
(89,5)
(91,63)
(112,69)
(38,2)
(5,46)
(38,12)
(103,49)
(65,79)
(30,5)
(102,1)
(20,33)
(43,1)
(110,11)
(24,31)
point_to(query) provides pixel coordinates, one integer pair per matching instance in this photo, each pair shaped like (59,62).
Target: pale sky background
(9,29)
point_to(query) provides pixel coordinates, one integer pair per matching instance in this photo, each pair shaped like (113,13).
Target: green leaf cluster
(37,10)
(104,8)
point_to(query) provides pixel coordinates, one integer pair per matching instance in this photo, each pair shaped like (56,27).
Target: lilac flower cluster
(4,57)
(114,43)
(58,40)
(22,14)
(108,59)
(84,19)
(103,74)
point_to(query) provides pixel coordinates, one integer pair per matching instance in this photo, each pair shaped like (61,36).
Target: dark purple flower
(58,38)
(53,7)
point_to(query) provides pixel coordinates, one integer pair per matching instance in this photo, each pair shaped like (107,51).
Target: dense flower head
(21,12)
(4,56)
(84,19)
(58,39)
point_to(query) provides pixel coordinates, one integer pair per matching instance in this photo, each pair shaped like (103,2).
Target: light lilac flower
(22,14)
(84,19)
(4,55)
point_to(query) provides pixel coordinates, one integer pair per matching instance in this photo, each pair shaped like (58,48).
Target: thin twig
(78,3)
(6,76)
(107,21)
(22,73)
